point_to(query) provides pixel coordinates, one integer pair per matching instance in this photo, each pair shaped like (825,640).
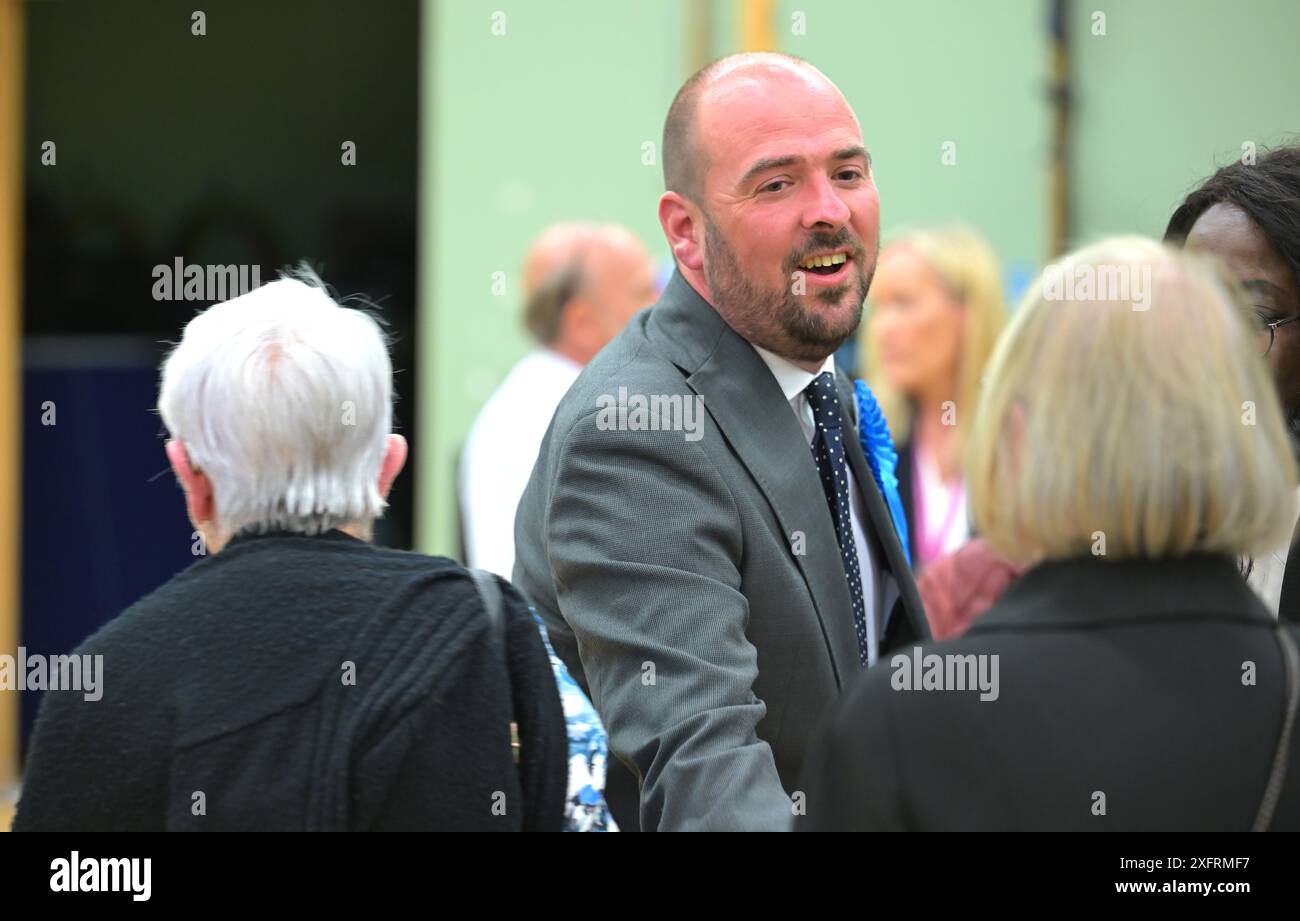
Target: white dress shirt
(1267,570)
(500,452)
(879,591)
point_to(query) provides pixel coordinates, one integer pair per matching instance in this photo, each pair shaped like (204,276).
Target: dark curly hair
(1268,191)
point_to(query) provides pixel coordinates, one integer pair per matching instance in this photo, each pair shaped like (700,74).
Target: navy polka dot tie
(828,450)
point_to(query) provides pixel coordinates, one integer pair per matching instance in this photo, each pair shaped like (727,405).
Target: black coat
(230,681)
(1118,679)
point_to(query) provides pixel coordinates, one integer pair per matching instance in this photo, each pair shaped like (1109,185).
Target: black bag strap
(1277,776)
(490,591)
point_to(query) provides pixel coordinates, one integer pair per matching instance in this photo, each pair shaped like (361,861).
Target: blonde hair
(1128,413)
(968,268)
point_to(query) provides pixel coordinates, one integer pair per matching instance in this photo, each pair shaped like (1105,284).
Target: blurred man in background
(582,283)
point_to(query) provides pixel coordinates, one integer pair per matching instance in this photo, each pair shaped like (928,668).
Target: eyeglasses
(1269,328)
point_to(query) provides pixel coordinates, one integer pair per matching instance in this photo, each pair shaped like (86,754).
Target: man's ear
(394,460)
(199,498)
(683,228)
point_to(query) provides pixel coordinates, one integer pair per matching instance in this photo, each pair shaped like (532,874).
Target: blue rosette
(882,458)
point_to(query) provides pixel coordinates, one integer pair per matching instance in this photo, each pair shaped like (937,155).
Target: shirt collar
(558,361)
(791,378)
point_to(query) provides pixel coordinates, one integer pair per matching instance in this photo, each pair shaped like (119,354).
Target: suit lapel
(743,399)
(905,485)
(881,521)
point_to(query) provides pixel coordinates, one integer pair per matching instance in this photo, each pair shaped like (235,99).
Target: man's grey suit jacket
(693,585)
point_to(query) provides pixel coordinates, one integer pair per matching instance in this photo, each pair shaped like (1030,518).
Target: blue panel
(103,519)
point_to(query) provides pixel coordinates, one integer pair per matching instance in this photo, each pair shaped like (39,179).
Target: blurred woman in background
(936,311)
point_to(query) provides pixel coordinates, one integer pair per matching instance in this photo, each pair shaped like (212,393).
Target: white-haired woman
(1129,446)
(298,677)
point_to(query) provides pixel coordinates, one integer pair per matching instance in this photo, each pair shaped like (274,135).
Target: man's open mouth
(827,264)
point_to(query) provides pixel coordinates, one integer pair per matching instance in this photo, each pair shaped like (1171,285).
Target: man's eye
(849,174)
(774,186)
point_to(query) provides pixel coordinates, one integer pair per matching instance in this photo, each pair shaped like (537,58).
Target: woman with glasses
(1248,216)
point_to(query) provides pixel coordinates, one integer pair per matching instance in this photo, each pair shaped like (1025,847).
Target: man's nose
(826,207)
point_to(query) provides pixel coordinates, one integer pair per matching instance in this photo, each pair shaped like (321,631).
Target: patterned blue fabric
(882,458)
(585,809)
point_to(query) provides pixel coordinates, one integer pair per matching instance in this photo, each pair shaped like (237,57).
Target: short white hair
(283,398)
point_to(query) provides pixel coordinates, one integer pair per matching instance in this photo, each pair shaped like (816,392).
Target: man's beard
(776,319)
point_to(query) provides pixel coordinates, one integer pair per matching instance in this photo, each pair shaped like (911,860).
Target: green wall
(541,124)
(1171,92)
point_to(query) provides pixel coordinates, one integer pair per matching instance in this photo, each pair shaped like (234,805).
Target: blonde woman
(1129,446)
(936,312)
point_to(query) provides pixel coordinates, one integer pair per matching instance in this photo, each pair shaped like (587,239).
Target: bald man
(582,283)
(716,582)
